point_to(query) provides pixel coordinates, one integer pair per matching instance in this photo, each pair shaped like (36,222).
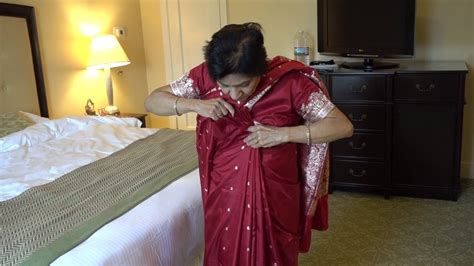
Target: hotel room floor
(366,229)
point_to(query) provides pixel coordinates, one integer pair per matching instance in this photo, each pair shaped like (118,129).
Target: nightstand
(140,117)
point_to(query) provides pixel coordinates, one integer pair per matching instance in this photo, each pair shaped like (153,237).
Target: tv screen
(366,28)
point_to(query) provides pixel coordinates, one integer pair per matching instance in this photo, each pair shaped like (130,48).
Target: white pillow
(33,118)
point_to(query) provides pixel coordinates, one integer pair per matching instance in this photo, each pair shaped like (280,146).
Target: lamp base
(111,110)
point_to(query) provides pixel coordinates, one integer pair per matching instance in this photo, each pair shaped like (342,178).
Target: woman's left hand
(265,136)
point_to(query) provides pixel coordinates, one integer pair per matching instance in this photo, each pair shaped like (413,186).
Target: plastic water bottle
(302,47)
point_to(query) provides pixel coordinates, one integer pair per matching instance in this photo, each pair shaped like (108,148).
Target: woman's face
(239,87)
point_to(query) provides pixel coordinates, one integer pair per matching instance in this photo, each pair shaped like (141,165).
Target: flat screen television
(368,29)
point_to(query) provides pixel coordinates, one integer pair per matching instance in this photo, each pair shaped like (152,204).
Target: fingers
(255,139)
(218,111)
(263,136)
(227,107)
(255,128)
(218,108)
(253,142)
(223,108)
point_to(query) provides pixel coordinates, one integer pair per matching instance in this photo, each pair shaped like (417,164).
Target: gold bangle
(308,133)
(175,106)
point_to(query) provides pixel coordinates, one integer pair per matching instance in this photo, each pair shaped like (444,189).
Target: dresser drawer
(367,117)
(426,86)
(366,173)
(360,145)
(358,88)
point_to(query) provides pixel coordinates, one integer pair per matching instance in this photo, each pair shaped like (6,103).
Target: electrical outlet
(119,31)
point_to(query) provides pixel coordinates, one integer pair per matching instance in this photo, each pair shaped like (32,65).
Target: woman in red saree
(263,129)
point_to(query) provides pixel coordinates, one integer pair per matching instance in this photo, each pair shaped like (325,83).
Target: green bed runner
(46,221)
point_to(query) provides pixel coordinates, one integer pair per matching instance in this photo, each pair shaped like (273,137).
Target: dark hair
(236,49)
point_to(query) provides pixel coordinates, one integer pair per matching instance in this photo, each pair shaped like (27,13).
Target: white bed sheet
(165,229)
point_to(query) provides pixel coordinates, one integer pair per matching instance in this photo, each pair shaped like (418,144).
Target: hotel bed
(164,229)
(161,221)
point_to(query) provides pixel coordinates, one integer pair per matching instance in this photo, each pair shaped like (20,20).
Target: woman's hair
(236,49)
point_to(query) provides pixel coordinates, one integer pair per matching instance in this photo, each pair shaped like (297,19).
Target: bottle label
(301,51)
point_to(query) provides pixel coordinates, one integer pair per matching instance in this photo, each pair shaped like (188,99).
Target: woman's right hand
(214,108)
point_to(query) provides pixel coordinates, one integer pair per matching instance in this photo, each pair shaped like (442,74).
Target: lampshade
(106,52)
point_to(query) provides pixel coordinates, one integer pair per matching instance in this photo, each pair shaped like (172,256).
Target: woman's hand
(265,136)
(214,108)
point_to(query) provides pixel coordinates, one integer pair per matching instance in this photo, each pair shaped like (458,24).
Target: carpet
(366,229)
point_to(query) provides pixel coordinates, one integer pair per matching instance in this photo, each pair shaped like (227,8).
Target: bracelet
(308,133)
(175,106)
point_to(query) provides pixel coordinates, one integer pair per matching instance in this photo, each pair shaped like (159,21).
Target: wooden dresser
(408,126)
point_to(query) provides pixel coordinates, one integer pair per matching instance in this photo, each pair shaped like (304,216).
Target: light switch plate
(119,31)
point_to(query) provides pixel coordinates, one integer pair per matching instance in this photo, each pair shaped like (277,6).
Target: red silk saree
(261,204)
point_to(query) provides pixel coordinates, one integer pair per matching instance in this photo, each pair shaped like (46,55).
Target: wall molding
(184,34)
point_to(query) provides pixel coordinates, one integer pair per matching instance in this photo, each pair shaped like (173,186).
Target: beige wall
(445,31)
(280,20)
(154,50)
(64,48)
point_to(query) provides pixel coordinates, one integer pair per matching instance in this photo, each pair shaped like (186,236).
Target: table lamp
(107,53)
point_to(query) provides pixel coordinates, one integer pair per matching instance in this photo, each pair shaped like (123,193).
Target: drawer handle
(360,119)
(361,147)
(361,174)
(359,90)
(420,88)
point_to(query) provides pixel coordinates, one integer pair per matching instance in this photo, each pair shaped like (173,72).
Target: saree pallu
(260,204)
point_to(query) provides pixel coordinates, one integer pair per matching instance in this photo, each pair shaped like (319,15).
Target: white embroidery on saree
(314,176)
(257,97)
(183,87)
(317,107)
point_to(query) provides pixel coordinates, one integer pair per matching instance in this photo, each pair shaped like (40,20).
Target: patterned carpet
(366,229)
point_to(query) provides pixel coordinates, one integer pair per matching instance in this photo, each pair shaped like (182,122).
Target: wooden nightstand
(140,117)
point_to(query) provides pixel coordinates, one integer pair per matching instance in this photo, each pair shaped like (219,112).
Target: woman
(262,133)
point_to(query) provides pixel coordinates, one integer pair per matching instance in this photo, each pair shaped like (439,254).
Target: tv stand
(369,65)
(407,129)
